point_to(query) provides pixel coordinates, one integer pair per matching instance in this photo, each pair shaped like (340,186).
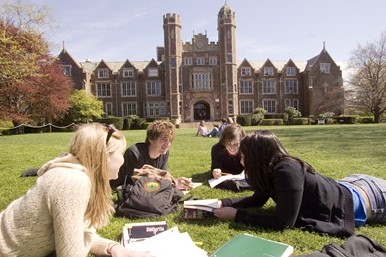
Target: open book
(200,209)
(170,243)
(245,245)
(215,181)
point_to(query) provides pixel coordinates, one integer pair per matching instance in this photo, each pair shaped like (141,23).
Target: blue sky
(116,30)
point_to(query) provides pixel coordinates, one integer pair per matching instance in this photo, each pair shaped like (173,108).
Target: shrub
(126,123)
(365,119)
(257,116)
(272,122)
(244,120)
(4,126)
(144,125)
(300,121)
(327,115)
(279,122)
(350,119)
(290,114)
(138,123)
(274,116)
(116,121)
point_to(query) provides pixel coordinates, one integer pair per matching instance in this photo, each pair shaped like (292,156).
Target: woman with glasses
(303,197)
(225,157)
(70,200)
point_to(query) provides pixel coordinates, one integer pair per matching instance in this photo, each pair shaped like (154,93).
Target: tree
(32,86)
(334,100)
(368,77)
(22,44)
(52,99)
(84,107)
(38,99)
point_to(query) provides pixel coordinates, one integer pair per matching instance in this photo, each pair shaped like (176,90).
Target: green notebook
(246,245)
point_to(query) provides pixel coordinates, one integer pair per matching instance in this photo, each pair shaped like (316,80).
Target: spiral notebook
(245,245)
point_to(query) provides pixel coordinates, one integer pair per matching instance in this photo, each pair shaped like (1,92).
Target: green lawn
(333,150)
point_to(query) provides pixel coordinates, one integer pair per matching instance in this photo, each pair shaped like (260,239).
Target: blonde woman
(71,198)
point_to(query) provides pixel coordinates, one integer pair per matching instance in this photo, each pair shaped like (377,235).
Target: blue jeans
(375,188)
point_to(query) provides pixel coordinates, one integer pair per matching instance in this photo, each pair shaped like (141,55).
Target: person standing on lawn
(303,197)
(154,151)
(70,200)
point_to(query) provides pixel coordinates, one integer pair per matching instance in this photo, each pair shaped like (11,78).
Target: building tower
(173,60)
(226,27)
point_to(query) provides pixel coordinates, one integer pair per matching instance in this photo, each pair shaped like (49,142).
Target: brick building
(190,81)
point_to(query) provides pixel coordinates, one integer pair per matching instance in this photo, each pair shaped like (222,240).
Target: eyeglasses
(109,131)
(233,145)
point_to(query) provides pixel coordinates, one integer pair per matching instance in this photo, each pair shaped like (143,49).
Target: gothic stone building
(202,80)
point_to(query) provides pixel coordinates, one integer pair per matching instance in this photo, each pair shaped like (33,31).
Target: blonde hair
(89,146)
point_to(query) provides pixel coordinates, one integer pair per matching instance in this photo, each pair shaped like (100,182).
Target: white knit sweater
(50,216)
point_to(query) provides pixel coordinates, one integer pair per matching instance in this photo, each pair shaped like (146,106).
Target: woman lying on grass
(303,197)
(71,198)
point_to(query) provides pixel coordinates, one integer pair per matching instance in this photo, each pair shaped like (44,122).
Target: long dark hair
(262,151)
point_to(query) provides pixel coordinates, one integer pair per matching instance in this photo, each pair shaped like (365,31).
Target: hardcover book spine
(196,214)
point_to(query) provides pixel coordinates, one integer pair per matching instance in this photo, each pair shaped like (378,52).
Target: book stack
(200,209)
(133,232)
(171,243)
(245,245)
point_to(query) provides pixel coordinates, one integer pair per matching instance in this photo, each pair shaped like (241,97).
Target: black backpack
(354,246)
(148,198)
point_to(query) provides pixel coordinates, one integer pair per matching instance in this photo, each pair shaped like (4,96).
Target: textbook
(215,181)
(200,209)
(171,243)
(139,231)
(245,245)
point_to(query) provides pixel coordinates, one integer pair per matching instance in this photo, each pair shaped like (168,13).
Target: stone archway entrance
(201,111)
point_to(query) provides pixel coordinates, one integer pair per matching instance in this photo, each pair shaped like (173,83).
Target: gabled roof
(245,62)
(89,67)
(152,62)
(141,65)
(64,52)
(257,65)
(311,62)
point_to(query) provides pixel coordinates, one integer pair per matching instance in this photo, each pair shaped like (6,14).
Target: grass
(333,150)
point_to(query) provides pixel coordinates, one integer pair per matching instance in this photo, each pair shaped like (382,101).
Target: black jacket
(303,199)
(135,157)
(221,159)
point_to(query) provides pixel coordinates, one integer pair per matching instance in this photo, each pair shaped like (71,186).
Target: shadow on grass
(202,177)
